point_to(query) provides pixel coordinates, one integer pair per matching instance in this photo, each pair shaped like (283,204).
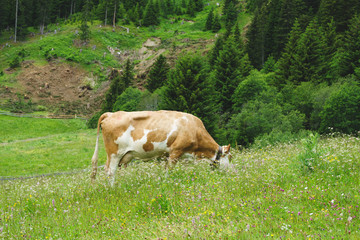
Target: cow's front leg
(172,159)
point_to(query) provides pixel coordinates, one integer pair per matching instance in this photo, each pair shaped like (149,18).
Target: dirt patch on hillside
(61,88)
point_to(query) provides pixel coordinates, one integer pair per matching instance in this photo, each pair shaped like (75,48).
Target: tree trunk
(16,18)
(105,14)
(114,18)
(71,8)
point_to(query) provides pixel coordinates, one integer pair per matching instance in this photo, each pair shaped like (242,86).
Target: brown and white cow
(147,135)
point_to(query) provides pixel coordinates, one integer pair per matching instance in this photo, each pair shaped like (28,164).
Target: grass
(27,149)
(266,194)
(15,128)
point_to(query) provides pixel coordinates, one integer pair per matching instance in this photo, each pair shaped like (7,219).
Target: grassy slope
(264,195)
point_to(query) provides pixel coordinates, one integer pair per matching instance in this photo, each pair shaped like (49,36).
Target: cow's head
(223,157)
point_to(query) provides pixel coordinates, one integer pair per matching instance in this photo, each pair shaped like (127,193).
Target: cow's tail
(94,159)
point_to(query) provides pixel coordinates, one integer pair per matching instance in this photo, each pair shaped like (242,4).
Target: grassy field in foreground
(287,191)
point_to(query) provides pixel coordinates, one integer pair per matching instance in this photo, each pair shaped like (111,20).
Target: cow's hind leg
(117,160)
(114,162)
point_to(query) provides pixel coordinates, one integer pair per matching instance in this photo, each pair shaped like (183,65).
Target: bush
(261,116)
(93,121)
(277,137)
(128,100)
(249,89)
(309,158)
(342,110)
(15,62)
(19,105)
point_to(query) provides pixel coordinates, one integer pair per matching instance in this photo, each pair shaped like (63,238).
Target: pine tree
(117,87)
(189,90)
(230,13)
(198,5)
(84,28)
(209,20)
(150,16)
(308,64)
(351,46)
(216,26)
(191,8)
(227,73)
(287,57)
(256,38)
(214,53)
(128,73)
(158,74)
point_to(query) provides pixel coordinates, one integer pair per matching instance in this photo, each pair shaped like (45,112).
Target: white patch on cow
(184,117)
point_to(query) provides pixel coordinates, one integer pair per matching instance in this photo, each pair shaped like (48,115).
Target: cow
(147,135)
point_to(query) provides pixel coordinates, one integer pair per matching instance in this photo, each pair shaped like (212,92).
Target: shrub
(277,137)
(128,100)
(93,121)
(249,89)
(261,116)
(19,105)
(342,110)
(15,62)
(309,158)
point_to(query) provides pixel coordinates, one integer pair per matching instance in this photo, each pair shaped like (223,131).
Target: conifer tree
(84,27)
(118,85)
(209,20)
(351,47)
(216,26)
(191,8)
(189,90)
(308,62)
(230,13)
(150,16)
(128,73)
(214,54)
(287,58)
(227,73)
(158,74)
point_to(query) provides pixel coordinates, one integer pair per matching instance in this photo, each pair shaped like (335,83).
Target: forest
(294,68)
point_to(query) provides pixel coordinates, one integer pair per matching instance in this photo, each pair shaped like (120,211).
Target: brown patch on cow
(137,133)
(157,136)
(148,147)
(172,138)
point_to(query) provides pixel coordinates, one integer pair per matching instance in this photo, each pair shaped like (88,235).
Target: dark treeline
(40,13)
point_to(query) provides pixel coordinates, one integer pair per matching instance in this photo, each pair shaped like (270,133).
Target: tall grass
(264,195)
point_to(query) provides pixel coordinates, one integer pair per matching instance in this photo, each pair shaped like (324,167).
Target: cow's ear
(227,148)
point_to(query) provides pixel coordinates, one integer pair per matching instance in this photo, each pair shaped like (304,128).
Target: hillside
(59,74)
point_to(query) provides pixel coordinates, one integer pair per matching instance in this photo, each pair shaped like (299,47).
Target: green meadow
(308,189)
